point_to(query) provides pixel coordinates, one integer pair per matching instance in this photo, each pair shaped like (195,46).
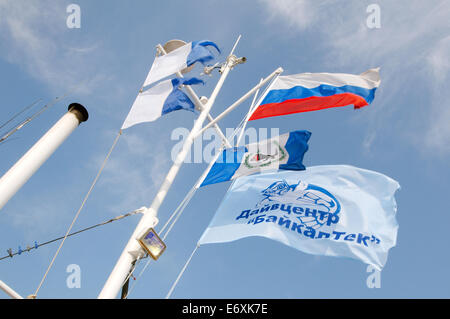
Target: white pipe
(9,291)
(241,100)
(241,133)
(21,172)
(210,118)
(132,249)
(216,156)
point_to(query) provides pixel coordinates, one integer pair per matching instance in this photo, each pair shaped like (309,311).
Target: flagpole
(241,128)
(247,116)
(200,180)
(253,106)
(241,100)
(216,156)
(132,250)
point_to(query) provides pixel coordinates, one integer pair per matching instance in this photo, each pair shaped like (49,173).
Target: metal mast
(133,250)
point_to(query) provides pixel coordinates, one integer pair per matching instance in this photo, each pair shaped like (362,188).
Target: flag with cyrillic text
(331,210)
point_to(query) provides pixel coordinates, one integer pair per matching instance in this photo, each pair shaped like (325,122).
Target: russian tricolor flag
(315,91)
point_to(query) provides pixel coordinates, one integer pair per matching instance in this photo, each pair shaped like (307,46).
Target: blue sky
(404,134)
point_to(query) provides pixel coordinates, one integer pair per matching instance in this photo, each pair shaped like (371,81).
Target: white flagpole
(241,100)
(133,250)
(9,291)
(241,131)
(200,180)
(196,186)
(247,116)
(253,106)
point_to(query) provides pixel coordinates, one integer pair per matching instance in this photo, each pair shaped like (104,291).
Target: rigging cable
(180,209)
(241,126)
(17,114)
(79,210)
(188,261)
(181,272)
(32,117)
(42,110)
(36,245)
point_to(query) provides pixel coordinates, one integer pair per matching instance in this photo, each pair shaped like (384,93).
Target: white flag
(328,210)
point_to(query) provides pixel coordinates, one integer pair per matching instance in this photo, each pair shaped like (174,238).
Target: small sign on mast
(152,244)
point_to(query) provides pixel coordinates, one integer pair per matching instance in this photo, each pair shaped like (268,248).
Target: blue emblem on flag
(314,201)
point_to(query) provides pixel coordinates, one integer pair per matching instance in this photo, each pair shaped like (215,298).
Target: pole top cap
(80,111)
(174,44)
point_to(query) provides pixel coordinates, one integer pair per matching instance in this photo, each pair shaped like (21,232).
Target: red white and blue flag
(306,92)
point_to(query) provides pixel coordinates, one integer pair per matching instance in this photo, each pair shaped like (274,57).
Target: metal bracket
(233,60)
(208,69)
(138,254)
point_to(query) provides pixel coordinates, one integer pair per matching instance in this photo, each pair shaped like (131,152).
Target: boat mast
(133,250)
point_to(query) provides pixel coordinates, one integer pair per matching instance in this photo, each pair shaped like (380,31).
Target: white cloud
(439,60)
(296,13)
(412,46)
(134,172)
(438,136)
(35,36)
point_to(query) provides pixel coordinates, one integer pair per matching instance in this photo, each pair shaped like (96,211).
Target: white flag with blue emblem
(281,152)
(180,59)
(332,210)
(160,99)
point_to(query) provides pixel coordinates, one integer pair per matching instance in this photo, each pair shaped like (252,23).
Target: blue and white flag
(282,152)
(180,59)
(160,99)
(333,210)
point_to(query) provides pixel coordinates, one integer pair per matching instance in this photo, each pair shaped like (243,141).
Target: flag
(331,210)
(180,59)
(160,99)
(282,152)
(315,91)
